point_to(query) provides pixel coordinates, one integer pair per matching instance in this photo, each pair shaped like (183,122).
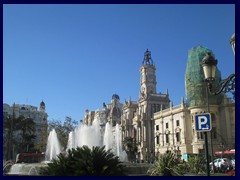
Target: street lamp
(209,64)
(209,67)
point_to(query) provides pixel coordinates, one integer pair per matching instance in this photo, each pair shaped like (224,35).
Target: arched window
(167,138)
(178,136)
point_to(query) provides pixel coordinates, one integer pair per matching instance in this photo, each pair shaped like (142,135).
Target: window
(177,123)
(157,139)
(178,136)
(167,138)
(200,135)
(166,125)
(157,127)
(201,151)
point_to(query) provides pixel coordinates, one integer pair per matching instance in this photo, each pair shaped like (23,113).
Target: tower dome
(115,96)
(42,106)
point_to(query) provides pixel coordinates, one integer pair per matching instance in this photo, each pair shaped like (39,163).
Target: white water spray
(53,146)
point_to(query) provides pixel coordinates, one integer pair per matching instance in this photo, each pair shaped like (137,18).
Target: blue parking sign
(203,122)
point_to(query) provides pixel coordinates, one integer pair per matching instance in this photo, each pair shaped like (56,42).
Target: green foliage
(19,132)
(166,165)
(62,130)
(184,168)
(85,162)
(130,148)
(27,129)
(196,164)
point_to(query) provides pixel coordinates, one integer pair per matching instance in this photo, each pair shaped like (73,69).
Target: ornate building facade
(137,119)
(156,126)
(39,116)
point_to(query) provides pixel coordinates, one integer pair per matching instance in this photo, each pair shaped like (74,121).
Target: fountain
(114,141)
(53,146)
(53,149)
(26,169)
(7,166)
(108,137)
(92,136)
(85,135)
(82,135)
(118,144)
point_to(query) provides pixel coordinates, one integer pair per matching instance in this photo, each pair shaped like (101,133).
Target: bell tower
(148,77)
(42,106)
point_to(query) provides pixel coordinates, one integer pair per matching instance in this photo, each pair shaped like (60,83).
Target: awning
(232,151)
(218,152)
(229,151)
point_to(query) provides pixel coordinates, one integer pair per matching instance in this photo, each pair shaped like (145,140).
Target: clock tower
(148,78)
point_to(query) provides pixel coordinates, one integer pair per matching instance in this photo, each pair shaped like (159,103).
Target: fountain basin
(136,169)
(26,169)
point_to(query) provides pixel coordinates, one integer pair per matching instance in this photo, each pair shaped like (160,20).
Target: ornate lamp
(209,64)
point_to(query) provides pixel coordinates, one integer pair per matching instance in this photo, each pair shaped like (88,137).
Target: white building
(39,117)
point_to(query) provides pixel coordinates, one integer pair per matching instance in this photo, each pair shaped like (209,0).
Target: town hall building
(157,126)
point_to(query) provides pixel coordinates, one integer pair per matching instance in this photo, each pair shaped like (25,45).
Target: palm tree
(15,129)
(10,127)
(166,165)
(85,162)
(27,129)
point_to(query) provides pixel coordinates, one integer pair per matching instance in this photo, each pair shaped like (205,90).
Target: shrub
(85,162)
(166,165)
(197,164)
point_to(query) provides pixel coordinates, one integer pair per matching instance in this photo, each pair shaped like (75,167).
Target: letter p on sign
(203,122)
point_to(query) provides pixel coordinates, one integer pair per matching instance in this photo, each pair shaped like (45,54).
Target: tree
(63,130)
(130,148)
(10,129)
(18,132)
(166,165)
(69,124)
(27,129)
(41,145)
(85,162)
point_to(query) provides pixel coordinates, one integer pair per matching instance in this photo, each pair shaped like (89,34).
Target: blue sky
(74,57)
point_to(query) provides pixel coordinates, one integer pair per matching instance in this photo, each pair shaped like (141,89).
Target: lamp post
(206,152)
(209,64)
(211,143)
